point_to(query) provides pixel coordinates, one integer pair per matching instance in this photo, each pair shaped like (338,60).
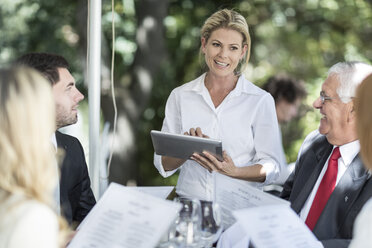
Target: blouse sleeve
(171,124)
(266,138)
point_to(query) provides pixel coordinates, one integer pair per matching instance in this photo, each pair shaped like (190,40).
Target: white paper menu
(158,191)
(237,194)
(276,226)
(125,218)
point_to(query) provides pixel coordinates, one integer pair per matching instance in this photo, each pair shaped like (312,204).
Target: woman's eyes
(233,48)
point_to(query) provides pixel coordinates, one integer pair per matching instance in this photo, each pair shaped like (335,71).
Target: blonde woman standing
(222,104)
(27,175)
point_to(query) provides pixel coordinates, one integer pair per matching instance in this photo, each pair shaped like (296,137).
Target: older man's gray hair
(349,75)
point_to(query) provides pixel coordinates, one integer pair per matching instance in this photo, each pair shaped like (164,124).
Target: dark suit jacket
(76,196)
(335,224)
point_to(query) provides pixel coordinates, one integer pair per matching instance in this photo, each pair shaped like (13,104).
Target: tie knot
(336,154)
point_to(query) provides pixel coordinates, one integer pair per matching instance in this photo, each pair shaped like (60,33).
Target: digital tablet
(183,146)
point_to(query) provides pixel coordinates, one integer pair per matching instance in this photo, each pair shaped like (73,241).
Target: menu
(126,217)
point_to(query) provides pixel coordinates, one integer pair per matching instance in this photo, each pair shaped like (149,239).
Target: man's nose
(79,96)
(317,103)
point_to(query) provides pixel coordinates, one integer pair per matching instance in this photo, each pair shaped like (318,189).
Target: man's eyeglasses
(324,97)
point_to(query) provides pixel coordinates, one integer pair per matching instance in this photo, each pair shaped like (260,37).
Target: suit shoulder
(314,141)
(66,140)
(319,141)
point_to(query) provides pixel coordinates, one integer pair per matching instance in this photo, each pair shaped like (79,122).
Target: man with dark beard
(76,197)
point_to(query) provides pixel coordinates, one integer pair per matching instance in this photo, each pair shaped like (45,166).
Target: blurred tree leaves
(300,38)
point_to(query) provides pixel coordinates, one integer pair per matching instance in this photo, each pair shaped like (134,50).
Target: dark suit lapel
(343,197)
(314,161)
(65,177)
(351,183)
(61,143)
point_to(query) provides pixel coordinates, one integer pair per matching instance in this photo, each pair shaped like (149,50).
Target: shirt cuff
(272,171)
(159,166)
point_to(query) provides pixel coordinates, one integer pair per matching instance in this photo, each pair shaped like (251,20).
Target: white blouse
(245,122)
(362,233)
(27,223)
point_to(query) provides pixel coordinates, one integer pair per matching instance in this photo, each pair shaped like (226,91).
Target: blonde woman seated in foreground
(28,166)
(362,234)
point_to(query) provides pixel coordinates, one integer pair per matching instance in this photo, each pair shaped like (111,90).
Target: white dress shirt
(245,122)
(348,153)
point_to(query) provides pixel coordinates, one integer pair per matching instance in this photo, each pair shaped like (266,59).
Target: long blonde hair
(364,120)
(27,122)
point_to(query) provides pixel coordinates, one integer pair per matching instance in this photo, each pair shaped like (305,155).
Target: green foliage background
(300,38)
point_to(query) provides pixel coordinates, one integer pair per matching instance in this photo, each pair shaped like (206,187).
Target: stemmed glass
(186,229)
(211,225)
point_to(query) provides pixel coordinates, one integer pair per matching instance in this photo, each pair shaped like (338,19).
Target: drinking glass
(211,224)
(185,231)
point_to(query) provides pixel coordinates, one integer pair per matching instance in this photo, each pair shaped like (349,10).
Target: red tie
(325,189)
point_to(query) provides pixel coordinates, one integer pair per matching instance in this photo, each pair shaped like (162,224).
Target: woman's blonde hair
(27,123)
(229,19)
(27,156)
(364,120)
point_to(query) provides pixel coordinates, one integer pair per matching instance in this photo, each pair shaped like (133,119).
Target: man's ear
(351,115)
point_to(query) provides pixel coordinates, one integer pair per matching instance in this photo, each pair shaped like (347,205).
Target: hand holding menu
(127,218)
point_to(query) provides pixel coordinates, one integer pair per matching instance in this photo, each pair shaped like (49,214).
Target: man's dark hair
(285,88)
(46,63)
